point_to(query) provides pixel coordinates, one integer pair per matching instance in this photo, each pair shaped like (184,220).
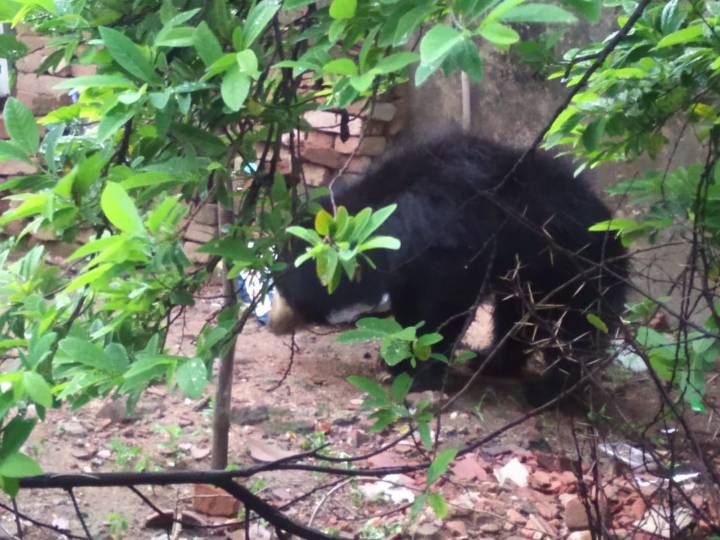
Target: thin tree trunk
(223,392)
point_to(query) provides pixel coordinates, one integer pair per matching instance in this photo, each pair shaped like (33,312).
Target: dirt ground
(315,405)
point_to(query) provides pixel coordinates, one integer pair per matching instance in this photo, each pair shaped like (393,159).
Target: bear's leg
(577,348)
(510,358)
(446,316)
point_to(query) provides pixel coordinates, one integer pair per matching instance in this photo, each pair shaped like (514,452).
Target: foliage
(185,93)
(337,242)
(659,83)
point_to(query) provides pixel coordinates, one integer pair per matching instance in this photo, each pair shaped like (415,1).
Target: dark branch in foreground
(221,479)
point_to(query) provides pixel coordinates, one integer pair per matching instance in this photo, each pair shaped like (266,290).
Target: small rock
(185,447)
(249,416)
(61,523)
(515,516)
(457,528)
(575,515)
(87,452)
(345,420)
(301,427)
(73,428)
(428,531)
(359,438)
(199,453)
(490,528)
(580,535)
(541,478)
(657,521)
(104,454)
(495,450)
(637,509)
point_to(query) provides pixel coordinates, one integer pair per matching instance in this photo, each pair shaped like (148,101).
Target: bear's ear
(283,319)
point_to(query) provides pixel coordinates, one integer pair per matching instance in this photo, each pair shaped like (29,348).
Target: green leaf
(128,55)
(76,350)
(590,9)
(359,335)
(498,34)
(438,43)
(617,224)
(258,18)
(248,62)
(395,62)
(144,179)
(192,378)
(120,209)
(593,133)
(438,505)
(379,242)
(418,506)
(21,126)
(340,66)
(33,203)
(11,150)
(440,464)
(182,36)
(400,387)
(113,121)
(671,17)
(235,249)
(235,88)
(37,388)
(88,277)
(14,435)
(686,35)
(597,322)
(368,386)
(206,44)
(343,9)
(310,236)
(323,221)
(19,465)
(538,13)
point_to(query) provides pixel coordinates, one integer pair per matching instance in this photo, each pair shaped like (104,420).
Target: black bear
(467,231)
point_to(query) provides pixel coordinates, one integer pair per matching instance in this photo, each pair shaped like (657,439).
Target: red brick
(207,215)
(316,139)
(330,122)
(34,42)
(323,121)
(83,70)
(315,175)
(31,62)
(37,92)
(324,156)
(191,250)
(371,146)
(15,168)
(214,501)
(358,108)
(200,233)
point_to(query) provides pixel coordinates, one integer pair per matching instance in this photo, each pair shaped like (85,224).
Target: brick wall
(35,91)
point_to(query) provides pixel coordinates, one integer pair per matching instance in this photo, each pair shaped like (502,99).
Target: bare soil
(316,405)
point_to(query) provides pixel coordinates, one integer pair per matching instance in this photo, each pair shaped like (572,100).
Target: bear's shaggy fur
(468,232)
